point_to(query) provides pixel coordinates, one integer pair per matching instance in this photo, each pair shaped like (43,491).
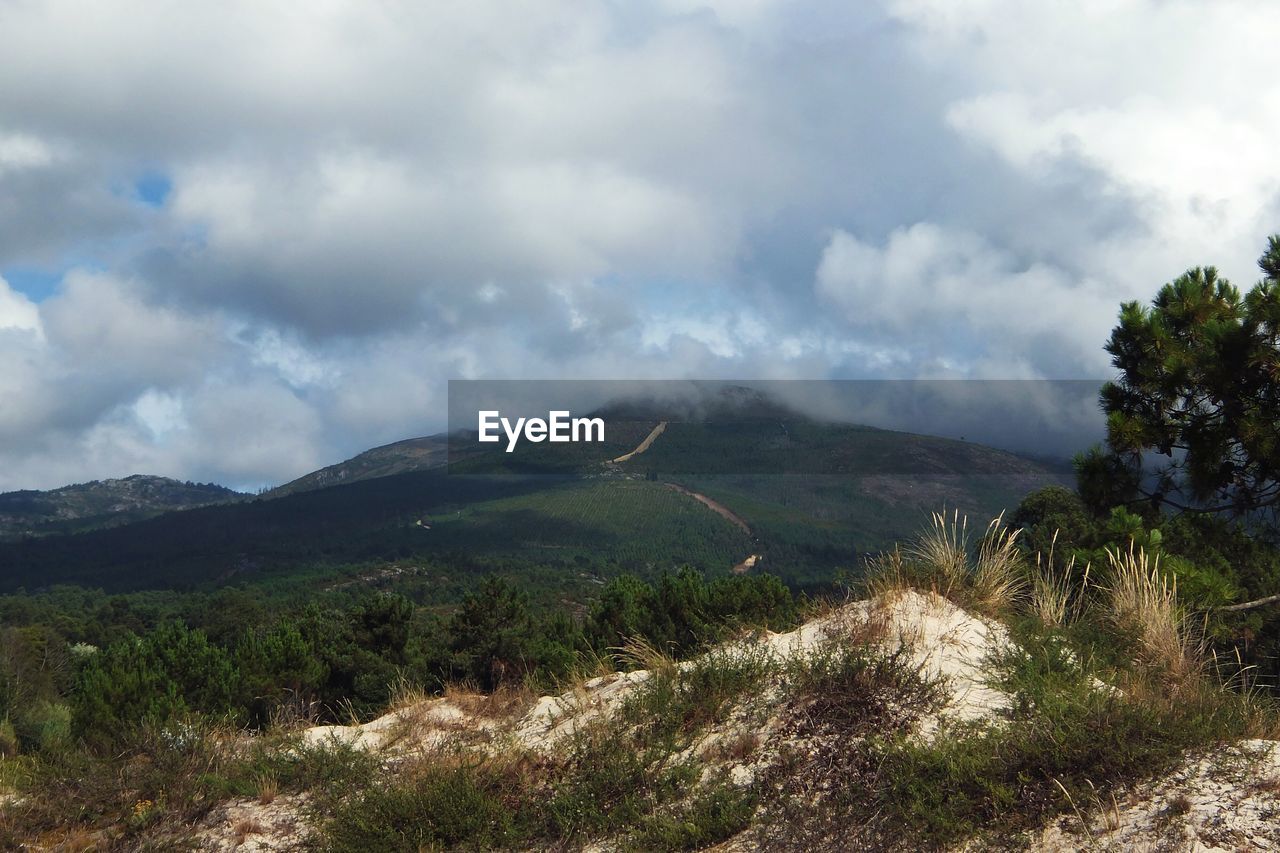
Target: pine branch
(1249,605)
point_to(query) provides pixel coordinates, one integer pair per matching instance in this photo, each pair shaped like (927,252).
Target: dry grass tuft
(295,712)
(505,702)
(885,579)
(406,694)
(999,576)
(1143,600)
(1051,588)
(1234,674)
(938,561)
(740,746)
(641,654)
(588,665)
(1051,593)
(853,629)
(1178,805)
(822,607)
(244,828)
(345,709)
(78,840)
(268,789)
(942,551)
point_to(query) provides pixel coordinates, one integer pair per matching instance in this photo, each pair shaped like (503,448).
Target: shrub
(1053,517)
(683,613)
(45,726)
(1067,741)
(679,701)
(441,806)
(716,812)
(151,680)
(846,701)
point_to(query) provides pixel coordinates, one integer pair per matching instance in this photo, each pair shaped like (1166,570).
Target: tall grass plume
(1144,600)
(999,573)
(1051,587)
(942,550)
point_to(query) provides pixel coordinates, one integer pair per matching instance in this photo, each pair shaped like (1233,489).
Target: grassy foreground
(848,743)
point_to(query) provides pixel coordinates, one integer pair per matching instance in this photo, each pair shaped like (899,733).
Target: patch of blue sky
(35,283)
(153,188)
(663,295)
(40,281)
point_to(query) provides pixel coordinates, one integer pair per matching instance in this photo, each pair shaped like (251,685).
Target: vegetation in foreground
(1109,685)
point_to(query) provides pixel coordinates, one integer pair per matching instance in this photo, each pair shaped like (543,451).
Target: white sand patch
(553,718)
(426,724)
(948,644)
(1226,801)
(248,826)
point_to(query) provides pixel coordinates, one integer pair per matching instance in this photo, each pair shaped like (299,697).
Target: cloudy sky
(242,240)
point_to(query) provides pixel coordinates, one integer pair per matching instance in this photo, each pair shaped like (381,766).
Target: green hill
(413,454)
(807,499)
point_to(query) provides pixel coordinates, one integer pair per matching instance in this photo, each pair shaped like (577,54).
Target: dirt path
(718,508)
(644,445)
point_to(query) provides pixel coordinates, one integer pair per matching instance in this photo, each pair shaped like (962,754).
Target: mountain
(413,454)
(798,498)
(102,502)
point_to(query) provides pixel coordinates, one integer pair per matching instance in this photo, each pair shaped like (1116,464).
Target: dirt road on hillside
(644,445)
(718,508)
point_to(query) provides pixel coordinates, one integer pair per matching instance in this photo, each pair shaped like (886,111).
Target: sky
(242,240)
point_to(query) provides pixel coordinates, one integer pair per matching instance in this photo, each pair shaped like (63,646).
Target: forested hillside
(814,498)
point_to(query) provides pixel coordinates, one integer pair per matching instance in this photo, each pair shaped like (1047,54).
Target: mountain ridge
(812,498)
(398,457)
(98,503)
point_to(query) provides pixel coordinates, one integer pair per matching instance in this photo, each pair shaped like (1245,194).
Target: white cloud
(101,324)
(954,298)
(160,413)
(1175,105)
(17,311)
(369,199)
(22,151)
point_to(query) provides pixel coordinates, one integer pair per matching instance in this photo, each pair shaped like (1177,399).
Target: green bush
(716,813)
(44,726)
(607,782)
(451,807)
(151,680)
(1049,512)
(682,613)
(671,706)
